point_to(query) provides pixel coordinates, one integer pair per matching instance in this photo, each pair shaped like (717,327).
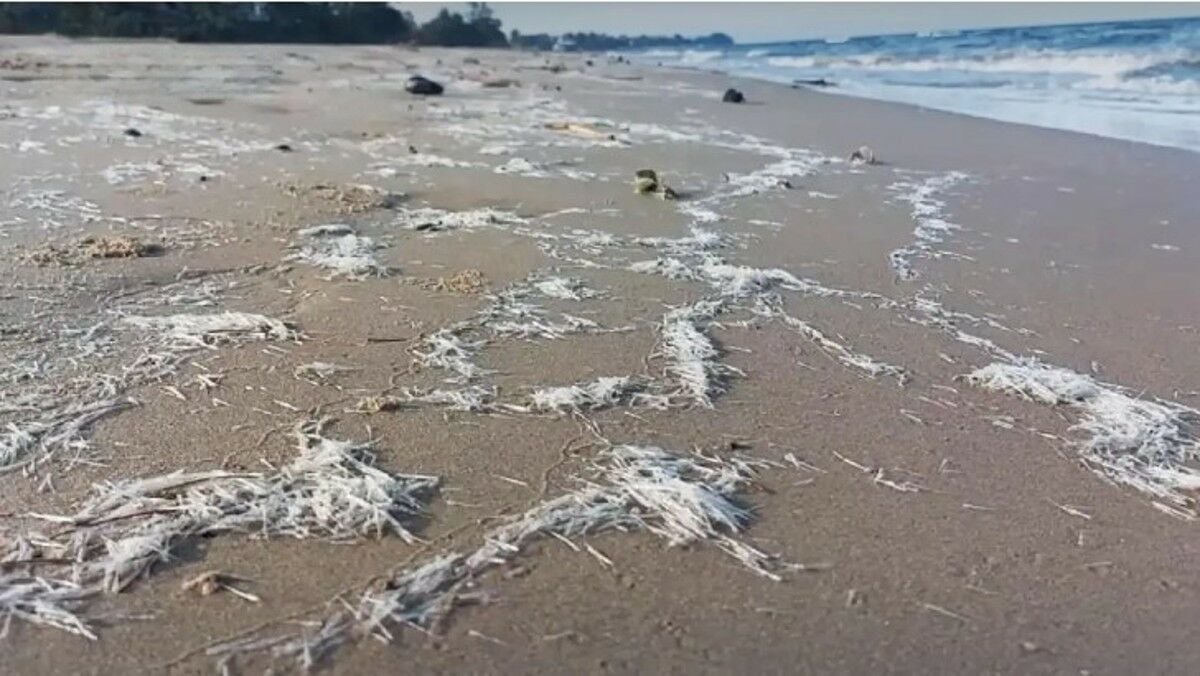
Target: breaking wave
(1132,80)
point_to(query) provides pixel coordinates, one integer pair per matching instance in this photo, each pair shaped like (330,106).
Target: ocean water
(1136,80)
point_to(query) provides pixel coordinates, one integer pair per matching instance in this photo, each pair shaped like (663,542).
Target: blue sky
(759,22)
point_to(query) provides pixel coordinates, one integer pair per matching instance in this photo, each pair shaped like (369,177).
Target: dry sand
(916,527)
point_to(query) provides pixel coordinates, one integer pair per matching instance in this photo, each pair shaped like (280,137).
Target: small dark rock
(203,178)
(133,133)
(589,62)
(422,86)
(284,148)
(412,150)
(733,96)
(816,82)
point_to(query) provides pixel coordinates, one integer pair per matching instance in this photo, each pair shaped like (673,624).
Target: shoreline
(835,91)
(471,288)
(1120,79)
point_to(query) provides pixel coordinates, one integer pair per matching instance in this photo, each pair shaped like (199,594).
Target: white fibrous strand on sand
(534,326)
(55,208)
(33,441)
(742,287)
(681,498)
(594,242)
(139,172)
(336,248)
(471,399)
(186,332)
(933,308)
(697,242)
(563,288)
(530,169)
(1151,446)
(77,372)
(200,136)
(931,313)
(42,601)
(690,355)
(741,281)
(671,268)
(331,490)
(589,396)
(697,213)
(928,213)
(779,174)
(692,258)
(756,289)
(509,315)
(389,169)
(436,220)
(846,356)
(448,351)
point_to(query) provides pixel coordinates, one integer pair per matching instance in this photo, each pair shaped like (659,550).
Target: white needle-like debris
(1148,445)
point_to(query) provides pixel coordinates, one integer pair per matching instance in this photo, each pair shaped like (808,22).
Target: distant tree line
(598,42)
(537,41)
(299,22)
(305,22)
(450,29)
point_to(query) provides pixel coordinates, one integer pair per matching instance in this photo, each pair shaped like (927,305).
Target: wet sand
(915,522)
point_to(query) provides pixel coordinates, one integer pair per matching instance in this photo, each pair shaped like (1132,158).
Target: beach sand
(912,520)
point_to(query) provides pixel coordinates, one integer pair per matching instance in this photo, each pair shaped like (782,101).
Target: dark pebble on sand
(133,133)
(733,96)
(422,86)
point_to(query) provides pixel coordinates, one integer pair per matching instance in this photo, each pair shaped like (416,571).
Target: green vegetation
(538,41)
(317,22)
(599,42)
(312,22)
(479,29)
